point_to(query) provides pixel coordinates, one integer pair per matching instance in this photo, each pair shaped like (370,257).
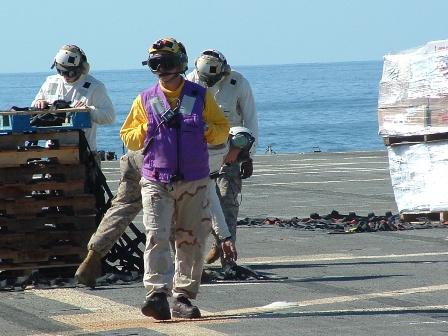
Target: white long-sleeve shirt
(87,89)
(234,96)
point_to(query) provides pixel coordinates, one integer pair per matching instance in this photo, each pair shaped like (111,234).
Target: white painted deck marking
(332,256)
(362,206)
(429,322)
(277,306)
(419,309)
(273,172)
(314,182)
(325,165)
(105,314)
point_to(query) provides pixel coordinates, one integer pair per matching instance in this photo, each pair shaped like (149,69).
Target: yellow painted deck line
(105,314)
(334,312)
(82,300)
(110,315)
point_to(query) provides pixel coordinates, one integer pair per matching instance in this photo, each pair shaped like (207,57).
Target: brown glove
(247,169)
(229,250)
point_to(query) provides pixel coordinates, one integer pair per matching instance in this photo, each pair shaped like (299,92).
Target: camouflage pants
(228,186)
(125,206)
(182,209)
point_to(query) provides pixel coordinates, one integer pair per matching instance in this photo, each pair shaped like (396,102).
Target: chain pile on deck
(335,222)
(60,278)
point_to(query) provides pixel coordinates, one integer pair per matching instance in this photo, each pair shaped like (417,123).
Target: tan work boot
(213,254)
(89,270)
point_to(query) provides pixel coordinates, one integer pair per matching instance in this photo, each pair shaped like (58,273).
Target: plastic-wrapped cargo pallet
(413,108)
(413,96)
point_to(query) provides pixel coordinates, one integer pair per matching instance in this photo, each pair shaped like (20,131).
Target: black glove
(51,119)
(60,104)
(247,168)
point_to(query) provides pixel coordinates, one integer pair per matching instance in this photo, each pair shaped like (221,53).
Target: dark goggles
(68,72)
(213,54)
(167,62)
(210,79)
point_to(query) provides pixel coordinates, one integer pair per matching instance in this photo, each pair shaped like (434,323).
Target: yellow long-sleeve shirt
(133,131)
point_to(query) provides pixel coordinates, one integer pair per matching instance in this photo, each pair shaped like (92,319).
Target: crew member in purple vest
(173,121)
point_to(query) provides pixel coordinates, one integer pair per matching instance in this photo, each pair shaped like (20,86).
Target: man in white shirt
(234,96)
(73,84)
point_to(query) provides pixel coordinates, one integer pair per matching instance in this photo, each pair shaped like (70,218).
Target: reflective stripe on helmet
(167,44)
(161,48)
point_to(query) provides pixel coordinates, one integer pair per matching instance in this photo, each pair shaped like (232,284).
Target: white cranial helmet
(71,58)
(68,58)
(211,66)
(241,137)
(240,129)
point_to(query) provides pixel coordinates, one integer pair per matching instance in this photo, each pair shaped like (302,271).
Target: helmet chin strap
(173,77)
(169,73)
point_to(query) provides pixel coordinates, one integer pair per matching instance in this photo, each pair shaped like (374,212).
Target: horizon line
(236,66)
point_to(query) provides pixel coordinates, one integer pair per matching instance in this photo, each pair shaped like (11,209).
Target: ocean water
(301,107)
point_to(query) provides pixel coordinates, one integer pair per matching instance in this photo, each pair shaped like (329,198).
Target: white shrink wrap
(419,175)
(413,91)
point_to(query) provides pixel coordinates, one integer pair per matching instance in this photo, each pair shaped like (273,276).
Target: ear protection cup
(226,68)
(85,66)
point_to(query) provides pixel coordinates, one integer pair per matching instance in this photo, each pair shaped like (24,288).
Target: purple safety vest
(175,153)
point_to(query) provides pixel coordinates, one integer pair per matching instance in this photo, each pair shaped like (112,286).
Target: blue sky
(116,34)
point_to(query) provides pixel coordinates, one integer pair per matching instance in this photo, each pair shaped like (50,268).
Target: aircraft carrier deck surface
(378,283)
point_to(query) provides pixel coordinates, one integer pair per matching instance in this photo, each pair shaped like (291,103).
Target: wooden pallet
(50,222)
(16,141)
(15,149)
(421,217)
(47,213)
(26,207)
(54,263)
(44,238)
(15,191)
(16,158)
(395,140)
(66,252)
(36,171)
